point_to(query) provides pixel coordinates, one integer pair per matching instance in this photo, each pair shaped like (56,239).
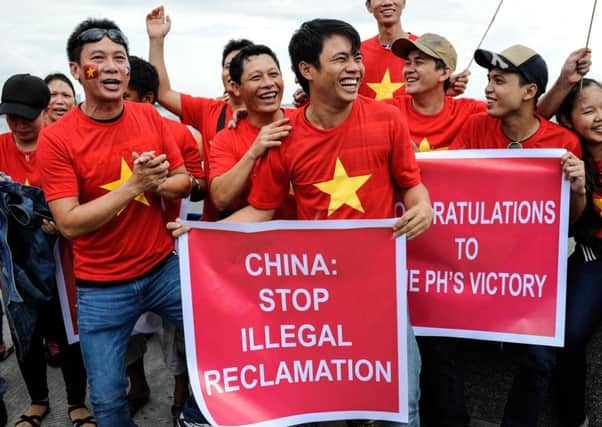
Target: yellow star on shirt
(343,188)
(386,88)
(126,172)
(26,182)
(425,146)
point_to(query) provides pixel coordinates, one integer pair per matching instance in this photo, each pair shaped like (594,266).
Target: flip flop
(5,354)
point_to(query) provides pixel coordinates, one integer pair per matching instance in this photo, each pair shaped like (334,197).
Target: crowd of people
(113,173)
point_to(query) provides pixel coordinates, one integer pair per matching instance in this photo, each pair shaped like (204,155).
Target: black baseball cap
(517,59)
(25,96)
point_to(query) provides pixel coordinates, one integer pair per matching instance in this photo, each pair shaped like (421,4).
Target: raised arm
(575,67)
(158,25)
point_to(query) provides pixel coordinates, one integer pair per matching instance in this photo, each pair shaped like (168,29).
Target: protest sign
(289,322)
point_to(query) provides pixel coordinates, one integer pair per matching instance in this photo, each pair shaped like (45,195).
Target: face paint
(127,70)
(90,71)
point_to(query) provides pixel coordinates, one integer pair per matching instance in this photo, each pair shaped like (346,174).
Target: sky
(34,32)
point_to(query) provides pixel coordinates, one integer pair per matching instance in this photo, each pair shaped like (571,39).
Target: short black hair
(74,44)
(61,77)
(308,41)
(237,64)
(143,77)
(233,45)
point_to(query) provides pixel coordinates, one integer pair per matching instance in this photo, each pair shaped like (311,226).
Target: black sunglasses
(515,144)
(95,34)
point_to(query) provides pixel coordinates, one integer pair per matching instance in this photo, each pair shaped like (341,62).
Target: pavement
(489,374)
(155,414)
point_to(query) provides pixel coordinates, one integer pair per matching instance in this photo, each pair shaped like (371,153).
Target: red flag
(90,71)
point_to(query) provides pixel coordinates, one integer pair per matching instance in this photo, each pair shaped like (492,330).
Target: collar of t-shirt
(111,120)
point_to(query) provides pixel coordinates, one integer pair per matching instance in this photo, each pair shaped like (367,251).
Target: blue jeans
(414,363)
(106,318)
(583,315)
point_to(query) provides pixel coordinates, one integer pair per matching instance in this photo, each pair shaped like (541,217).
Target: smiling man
(344,156)
(384,70)
(105,167)
(517,77)
(255,72)
(434,119)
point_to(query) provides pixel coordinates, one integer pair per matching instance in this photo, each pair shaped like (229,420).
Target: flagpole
(487,31)
(589,32)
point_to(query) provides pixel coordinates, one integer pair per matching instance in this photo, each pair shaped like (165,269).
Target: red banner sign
(493,264)
(290,322)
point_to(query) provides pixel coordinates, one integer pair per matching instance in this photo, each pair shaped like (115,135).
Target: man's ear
(75,70)
(446,74)
(234,88)
(305,69)
(148,97)
(531,92)
(369,6)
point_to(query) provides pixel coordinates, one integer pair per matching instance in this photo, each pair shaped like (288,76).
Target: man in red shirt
(345,155)
(384,71)
(383,78)
(207,115)
(434,119)
(517,78)
(256,76)
(105,167)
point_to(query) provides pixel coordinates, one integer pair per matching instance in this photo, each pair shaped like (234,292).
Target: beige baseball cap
(517,59)
(433,45)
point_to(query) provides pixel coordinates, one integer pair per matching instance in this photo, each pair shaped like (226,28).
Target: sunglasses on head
(95,34)
(515,144)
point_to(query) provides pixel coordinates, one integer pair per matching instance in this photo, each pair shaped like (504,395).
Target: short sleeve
(59,179)
(271,182)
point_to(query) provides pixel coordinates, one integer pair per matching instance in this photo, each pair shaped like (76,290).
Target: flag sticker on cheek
(127,70)
(90,71)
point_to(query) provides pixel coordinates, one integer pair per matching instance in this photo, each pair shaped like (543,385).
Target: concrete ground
(155,414)
(488,371)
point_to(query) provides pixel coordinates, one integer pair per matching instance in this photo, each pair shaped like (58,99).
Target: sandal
(79,422)
(5,354)
(35,420)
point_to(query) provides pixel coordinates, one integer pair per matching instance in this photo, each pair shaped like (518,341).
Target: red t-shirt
(437,131)
(484,131)
(384,70)
(192,160)
(347,172)
(20,166)
(80,157)
(204,115)
(229,146)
